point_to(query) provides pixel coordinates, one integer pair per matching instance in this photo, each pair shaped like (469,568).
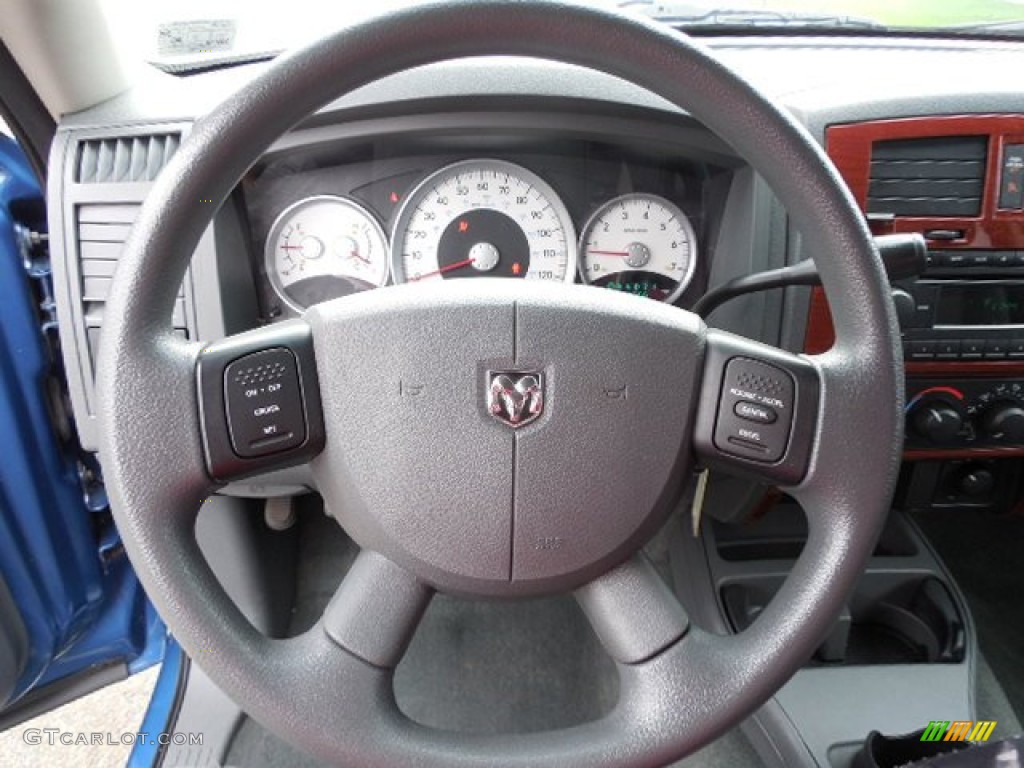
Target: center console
(903,652)
(958,181)
(899,654)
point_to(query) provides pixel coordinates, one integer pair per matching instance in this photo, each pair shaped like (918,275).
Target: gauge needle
(358,255)
(442,270)
(610,253)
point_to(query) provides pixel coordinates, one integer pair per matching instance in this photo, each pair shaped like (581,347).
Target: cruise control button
(762,414)
(756,410)
(264,403)
(747,445)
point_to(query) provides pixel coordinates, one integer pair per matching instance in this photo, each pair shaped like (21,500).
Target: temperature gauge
(640,244)
(325,247)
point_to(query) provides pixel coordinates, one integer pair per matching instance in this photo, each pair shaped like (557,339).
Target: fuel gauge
(640,244)
(325,247)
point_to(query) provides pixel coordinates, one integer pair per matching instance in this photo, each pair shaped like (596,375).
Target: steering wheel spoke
(259,401)
(633,612)
(376,610)
(758,410)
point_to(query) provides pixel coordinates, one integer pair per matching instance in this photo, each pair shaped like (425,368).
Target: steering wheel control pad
(504,439)
(758,414)
(259,401)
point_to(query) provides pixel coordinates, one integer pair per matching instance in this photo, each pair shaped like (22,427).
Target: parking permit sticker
(188,38)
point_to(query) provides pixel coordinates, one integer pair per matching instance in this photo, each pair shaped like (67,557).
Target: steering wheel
(413,376)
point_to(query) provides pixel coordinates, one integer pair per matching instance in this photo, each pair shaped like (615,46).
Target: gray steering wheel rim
(150,429)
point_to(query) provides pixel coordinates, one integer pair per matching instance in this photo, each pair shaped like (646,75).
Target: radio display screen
(980,304)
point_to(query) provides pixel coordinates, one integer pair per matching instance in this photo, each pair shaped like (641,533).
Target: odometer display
(483,218)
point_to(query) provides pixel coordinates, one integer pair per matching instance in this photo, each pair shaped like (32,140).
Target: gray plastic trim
(792,729)
(65,196)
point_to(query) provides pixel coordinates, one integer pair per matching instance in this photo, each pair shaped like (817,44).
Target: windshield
(186,34)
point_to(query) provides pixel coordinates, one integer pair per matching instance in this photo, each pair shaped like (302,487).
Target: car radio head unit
(970,307)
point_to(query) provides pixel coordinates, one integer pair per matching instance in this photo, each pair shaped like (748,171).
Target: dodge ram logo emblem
(515,397)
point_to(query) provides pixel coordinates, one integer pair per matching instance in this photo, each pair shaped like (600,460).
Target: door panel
(76,605)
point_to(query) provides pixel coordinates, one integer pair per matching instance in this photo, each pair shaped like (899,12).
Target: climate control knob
(1004,421)
(937,421)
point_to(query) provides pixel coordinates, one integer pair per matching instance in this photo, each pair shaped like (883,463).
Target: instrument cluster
(326,231)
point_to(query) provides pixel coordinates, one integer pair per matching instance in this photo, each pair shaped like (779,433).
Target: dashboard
(540,171)
(535,170)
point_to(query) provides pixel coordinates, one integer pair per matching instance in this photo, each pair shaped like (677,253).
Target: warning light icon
(516,268)
(463,226)
(393,197)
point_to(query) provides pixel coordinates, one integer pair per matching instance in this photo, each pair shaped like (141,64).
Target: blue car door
(73,616)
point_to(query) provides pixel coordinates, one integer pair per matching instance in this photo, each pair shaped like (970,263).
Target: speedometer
(483,218)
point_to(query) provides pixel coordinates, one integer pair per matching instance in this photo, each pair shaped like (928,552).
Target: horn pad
(503,438)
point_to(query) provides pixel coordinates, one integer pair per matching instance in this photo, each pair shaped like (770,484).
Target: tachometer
(483,218)
(323,248)
(640,244)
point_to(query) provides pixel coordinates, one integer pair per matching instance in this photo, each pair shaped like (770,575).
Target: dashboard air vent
(101,231)
(942,176)
(130,158)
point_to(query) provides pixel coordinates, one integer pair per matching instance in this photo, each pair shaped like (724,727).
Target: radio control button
(1004,258)
(1015,349)
(955,259)
(947,350)
(921,350)
(978,258)
(972,349)
(995,349)
(1016,258)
